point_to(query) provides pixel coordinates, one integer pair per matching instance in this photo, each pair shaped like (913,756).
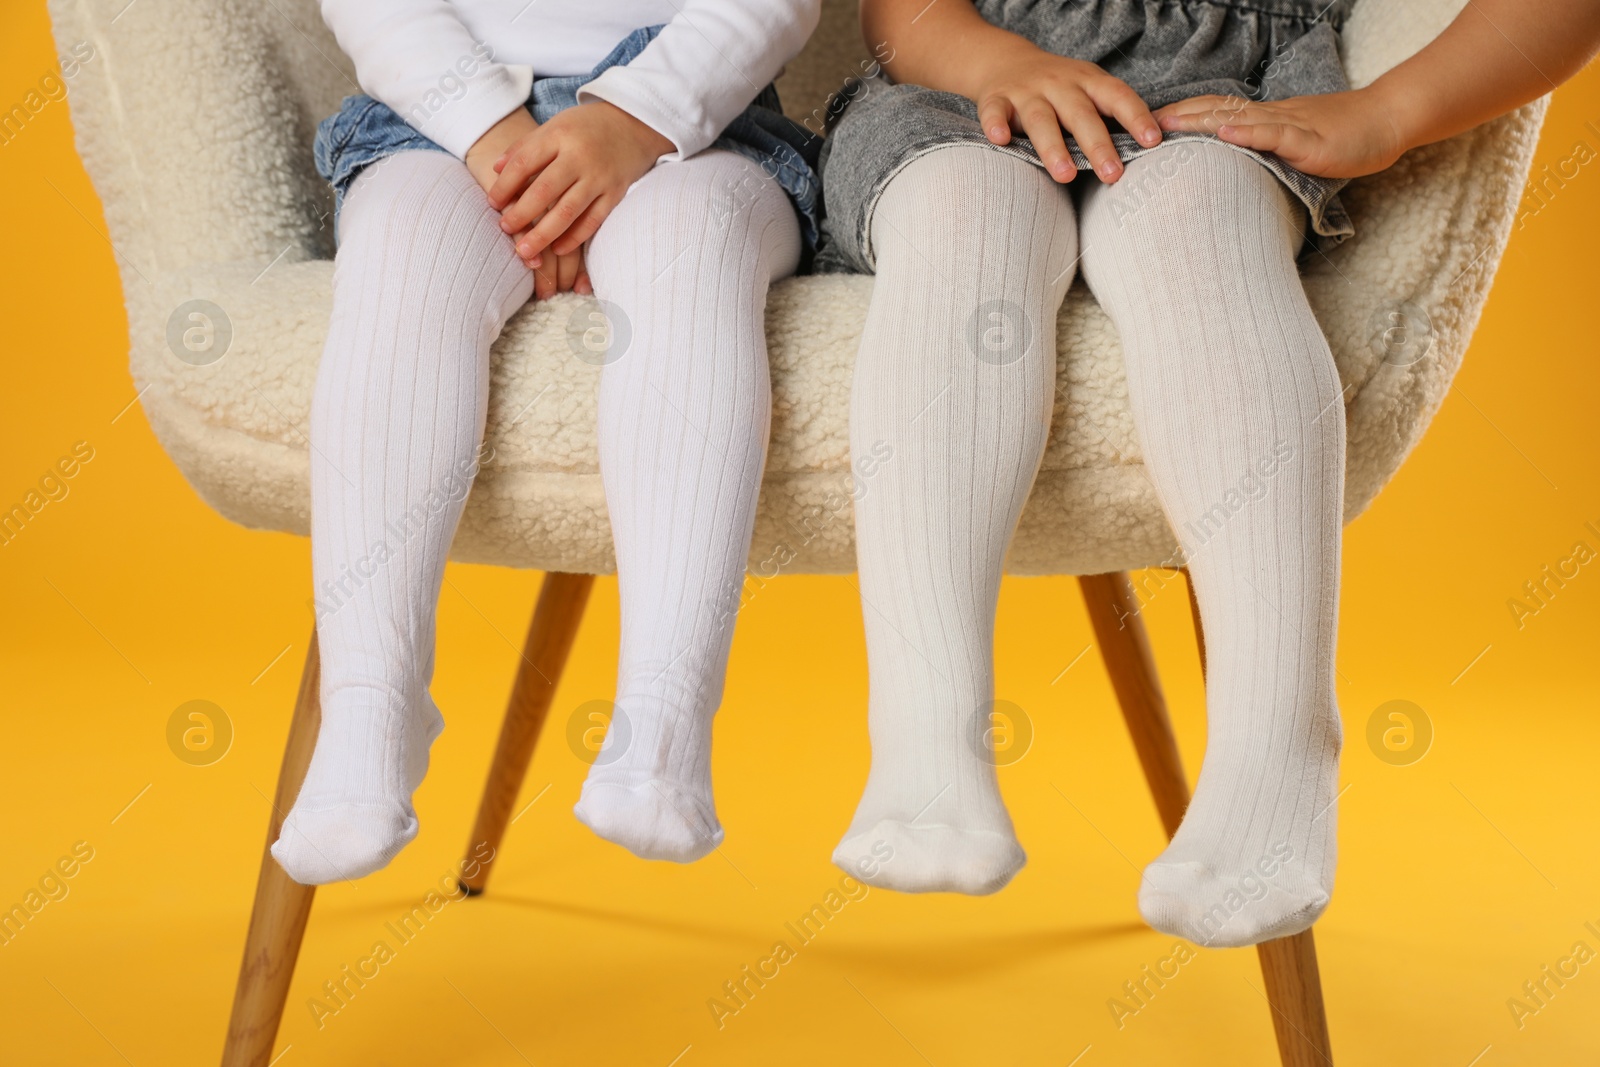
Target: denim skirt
(1166,50)
(364,131)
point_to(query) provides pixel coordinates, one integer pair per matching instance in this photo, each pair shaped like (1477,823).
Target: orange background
(1461,875)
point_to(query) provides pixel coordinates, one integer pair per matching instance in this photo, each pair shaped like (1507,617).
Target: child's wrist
(495,142)
(650,140)
(996,54)
(1403,108)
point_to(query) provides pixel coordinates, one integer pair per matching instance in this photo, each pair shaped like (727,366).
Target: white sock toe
(653,819)
(1189,900)
(931,859)
(319,846)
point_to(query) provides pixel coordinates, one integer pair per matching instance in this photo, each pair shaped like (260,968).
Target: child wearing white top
(508,151)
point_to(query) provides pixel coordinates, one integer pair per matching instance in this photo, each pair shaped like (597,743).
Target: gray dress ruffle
(1166,50)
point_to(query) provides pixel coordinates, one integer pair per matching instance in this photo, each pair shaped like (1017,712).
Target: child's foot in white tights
(655,799)
(354,814)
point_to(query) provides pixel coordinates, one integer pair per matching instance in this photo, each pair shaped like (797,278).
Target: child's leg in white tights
(1238,407)
(423,282)
(955,382)
(684,415)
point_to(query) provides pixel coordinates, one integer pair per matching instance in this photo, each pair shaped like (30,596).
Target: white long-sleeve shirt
(453,68)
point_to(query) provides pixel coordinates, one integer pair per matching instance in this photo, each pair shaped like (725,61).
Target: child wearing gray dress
(1218,135)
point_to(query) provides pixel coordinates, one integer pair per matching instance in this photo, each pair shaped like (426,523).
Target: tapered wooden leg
(1289,964)
(1125,647)
(278,918)
(1294,989)
(562,598)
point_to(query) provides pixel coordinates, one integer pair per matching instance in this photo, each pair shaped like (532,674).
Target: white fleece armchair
(195,120)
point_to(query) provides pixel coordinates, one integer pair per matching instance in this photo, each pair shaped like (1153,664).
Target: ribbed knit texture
(423,282)
(1238,407)
(954,386)
(685,410)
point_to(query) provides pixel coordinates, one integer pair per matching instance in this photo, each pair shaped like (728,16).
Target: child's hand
(1027,90)
(1336,135)
(565,177)
(561,274)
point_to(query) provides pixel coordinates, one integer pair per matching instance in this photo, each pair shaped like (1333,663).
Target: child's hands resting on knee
(1018,87)
(1025,89)
(1497,55)
(551,274)
(1337,135)
(566,176)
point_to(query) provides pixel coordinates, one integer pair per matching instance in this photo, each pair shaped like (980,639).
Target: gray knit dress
(1166,50)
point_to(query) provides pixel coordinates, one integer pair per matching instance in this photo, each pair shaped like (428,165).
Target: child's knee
(416,222)
(422,195)
(1183,182)
(955,204)
(968,174)
(716,217)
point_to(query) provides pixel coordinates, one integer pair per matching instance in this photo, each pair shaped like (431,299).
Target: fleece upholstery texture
(195,121)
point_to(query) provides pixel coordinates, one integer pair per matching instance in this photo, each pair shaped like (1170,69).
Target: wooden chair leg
(1289,964)
(1125,647)
(562,598)
(278,917)
(1294,989)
